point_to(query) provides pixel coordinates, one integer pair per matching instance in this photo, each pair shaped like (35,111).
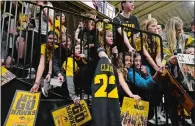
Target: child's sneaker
(32,74)
(160,120)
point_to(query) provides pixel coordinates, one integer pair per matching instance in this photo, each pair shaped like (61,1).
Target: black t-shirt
(132,22)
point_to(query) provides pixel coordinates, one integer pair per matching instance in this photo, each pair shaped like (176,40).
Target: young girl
(57,26)
(60,56)
(45,58)
(151,48)
(70,67)
(143,78)
(91,66)
(121,73)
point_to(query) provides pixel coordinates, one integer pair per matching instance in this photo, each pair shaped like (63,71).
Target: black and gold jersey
(105,103)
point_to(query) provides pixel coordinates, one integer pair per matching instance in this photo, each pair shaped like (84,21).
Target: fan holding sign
(180,66)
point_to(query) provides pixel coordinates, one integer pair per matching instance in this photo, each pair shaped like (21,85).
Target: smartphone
(55,82)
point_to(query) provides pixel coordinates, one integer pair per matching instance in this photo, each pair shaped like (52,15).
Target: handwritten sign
(23,110)
(185,58)
(186,65)
(72,115)
(134,113)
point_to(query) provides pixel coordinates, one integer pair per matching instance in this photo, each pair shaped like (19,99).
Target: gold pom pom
(108,27)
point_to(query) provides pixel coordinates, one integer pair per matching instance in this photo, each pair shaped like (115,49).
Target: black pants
(84,77)
(192,95)
(171,104)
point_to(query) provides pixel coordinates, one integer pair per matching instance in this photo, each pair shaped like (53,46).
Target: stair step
(19,72)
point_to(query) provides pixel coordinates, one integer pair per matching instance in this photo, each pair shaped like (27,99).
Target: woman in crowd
(175,41)
(45,64)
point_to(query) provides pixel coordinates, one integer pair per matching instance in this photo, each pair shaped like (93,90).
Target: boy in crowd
(125,18)
(160,28)
(192,33)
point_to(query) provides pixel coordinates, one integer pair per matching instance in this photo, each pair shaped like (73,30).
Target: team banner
(72,115)
(6,75)
(186,64)
(134,113)
(24,109)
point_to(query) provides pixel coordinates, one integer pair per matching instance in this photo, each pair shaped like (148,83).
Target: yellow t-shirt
(49,52)
(152,47)
(22,21)
(57,28)
(68,67)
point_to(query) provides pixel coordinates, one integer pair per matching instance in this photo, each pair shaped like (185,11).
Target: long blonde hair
(144,26)
(146,23)
(171,27)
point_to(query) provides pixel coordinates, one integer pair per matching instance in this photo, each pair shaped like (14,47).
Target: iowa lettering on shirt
(128,32)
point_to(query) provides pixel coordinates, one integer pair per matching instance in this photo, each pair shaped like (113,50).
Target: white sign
(109,10)
(186,65)
(185,58)
(89,3)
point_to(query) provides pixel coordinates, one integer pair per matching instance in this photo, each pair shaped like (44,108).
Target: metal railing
(35,14)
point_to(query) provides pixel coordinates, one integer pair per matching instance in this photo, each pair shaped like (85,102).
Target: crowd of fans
(73,59)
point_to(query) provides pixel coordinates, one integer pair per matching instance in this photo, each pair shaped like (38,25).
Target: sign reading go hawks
(72,115)
(23,110)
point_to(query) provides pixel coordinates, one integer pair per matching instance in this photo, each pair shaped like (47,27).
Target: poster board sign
(6,75)
(24,109)
(72,115)
(186,64)
(183,98)
(109,10)
(134,113)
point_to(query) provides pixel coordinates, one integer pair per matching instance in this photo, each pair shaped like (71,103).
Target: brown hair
(122,2)
(147,22)
(120,63)
(108,28)
(89,13)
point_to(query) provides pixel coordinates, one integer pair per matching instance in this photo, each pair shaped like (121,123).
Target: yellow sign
(134,113)
(6,75)
(72,115)
(23,110)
